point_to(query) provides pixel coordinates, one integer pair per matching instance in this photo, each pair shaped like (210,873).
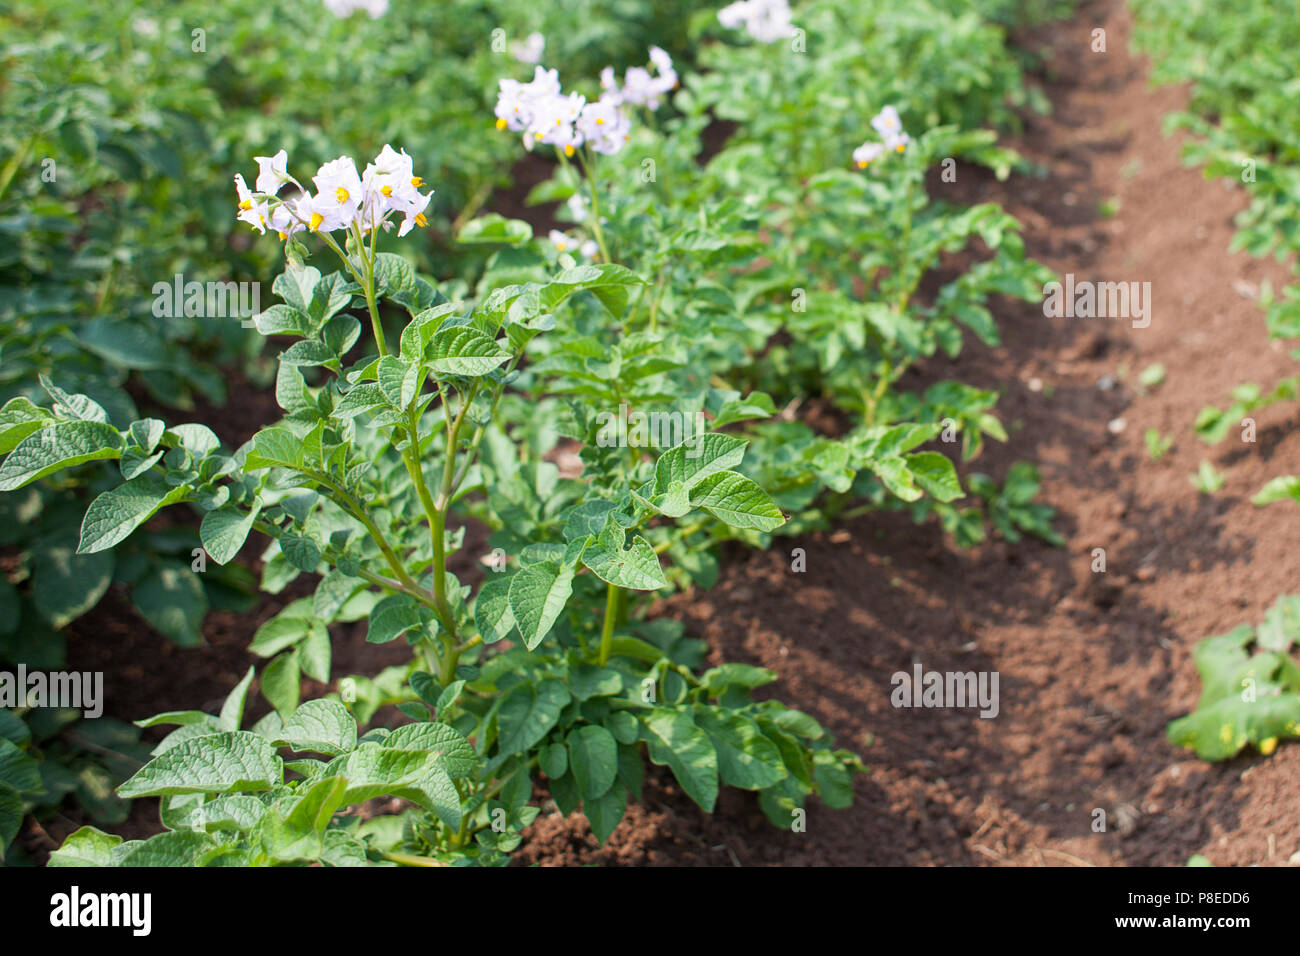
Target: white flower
(145,26)
(577,207)
(530,51)
(272,172)
(604,126)
(640,87)
(562,242)
(890,127)
(553,118)
(866,153)
(517,102)
(338,195)
(414,214)
(887,123)
(391,185)
(251,210)
(764,20)
(609,83)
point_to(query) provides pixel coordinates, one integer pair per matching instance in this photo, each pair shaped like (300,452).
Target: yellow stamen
(386,190)
(341,195)
(420,220)
(501,124)
(560,247)
(600,121)
(417,182)
(282,235)
(862,163)
(246,205)
(538,135)
(568,149)
(316,220)
(901,147)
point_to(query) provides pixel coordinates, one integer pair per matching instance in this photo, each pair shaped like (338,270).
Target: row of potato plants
(445,400)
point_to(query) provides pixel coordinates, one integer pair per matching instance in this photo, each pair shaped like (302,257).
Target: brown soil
(1092,667)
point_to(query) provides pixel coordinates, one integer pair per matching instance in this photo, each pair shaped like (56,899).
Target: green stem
(410,859)
(607,629)
(595,208)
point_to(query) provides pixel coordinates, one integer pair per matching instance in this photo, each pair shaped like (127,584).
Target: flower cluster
(345,8)
(342,198)
(890,128)
(640,87)
(765,20)
(545,114)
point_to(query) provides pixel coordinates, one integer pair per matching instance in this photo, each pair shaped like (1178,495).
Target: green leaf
(398,381)
(605,812)
(442,741)
(746,758)
(492,614)
(696,458)
(538,594)
(75,406)
(1281,625)
(636,567)
(274,447)
(593,757)
(280,684)
(673,741)
(528,714)
(391,618)
(175,848)
(494,227)
(232,710)
(217,763)
(553,759)
(61,445)
(738,501)
(18,768)
(1222,729)
(300,550)
(296,285)
(224,531)
(1278,489)
(319,726)
(119,511)
(298,834)
(65,585)
(86,847)
(172,599)
(18,419)
(463,350)
(935,474)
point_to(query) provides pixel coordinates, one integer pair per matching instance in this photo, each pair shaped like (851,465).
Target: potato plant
(357,483)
